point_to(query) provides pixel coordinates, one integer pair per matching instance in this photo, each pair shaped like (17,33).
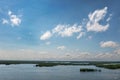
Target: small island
(109,66)
(46,65)
(89,70)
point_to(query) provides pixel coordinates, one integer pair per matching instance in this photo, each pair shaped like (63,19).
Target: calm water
(30,72)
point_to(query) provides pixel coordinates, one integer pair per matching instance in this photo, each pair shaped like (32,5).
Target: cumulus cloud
(61,47)
(67,30)
(110,44)
(13,20)
(58,28)
(94,21)
(46,35)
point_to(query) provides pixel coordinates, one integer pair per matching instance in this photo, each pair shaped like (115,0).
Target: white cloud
(14,20)
(110,44)
(109,18)
(61,47)
(80,35)
(67,30)
(64,31)
(46,35)
(93,24)
(94,19)
(9,13)
(58,28)
(5,21)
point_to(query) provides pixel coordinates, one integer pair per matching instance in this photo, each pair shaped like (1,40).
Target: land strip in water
(103,64)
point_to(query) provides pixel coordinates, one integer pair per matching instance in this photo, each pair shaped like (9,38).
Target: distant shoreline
(38,61)
(103,64)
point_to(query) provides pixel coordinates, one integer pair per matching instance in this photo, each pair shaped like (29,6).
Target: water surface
(30,72)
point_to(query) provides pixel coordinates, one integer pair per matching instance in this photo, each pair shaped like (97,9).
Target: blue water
(30,72)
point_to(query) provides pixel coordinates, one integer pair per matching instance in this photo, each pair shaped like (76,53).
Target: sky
(81,30)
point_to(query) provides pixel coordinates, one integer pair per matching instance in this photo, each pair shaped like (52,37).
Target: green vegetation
(45,65)
(51,64)
(89,70)
(109,66)
(97,64)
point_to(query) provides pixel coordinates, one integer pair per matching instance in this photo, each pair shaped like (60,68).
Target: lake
(30,72)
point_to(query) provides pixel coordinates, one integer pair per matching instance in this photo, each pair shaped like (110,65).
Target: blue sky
(59,30)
